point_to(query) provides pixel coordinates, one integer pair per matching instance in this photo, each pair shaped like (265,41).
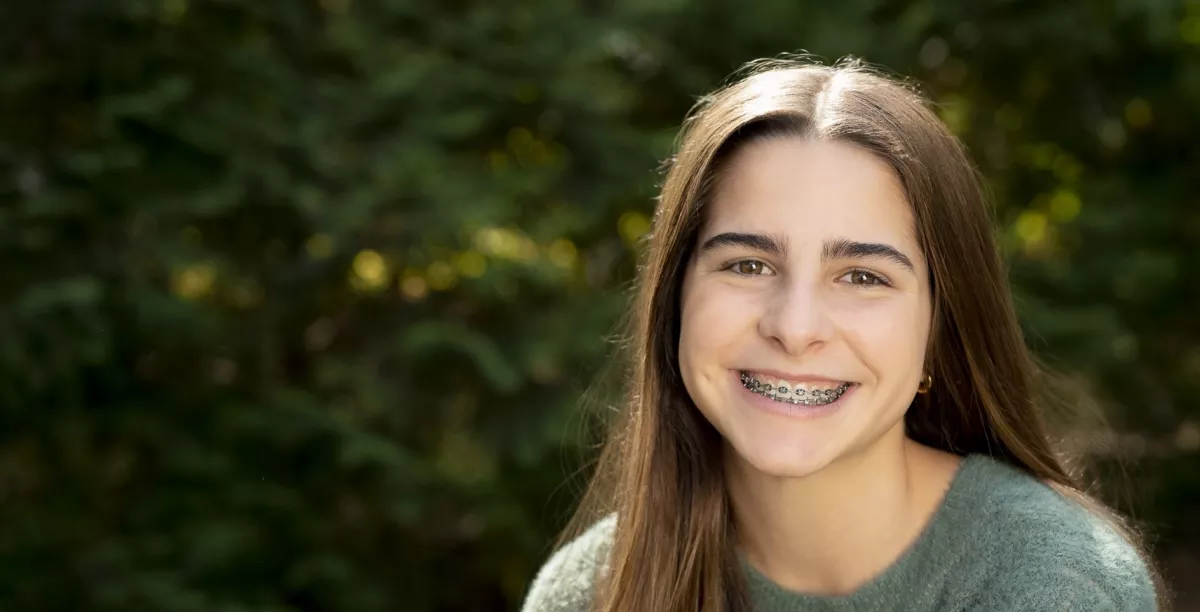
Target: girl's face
(805,307)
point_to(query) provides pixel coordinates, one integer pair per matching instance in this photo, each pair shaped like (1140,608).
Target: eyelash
(877,279)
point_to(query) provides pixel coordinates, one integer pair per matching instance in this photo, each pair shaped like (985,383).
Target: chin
(782,459)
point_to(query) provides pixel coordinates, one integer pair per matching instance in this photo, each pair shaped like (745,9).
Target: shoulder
(566,582)
(1048,551)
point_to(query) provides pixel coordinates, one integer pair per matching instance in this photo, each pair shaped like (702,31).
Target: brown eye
(865,278)
(749,267)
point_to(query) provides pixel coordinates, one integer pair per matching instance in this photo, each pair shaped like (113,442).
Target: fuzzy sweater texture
(999,540)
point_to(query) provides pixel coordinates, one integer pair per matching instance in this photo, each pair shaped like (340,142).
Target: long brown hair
(660,471)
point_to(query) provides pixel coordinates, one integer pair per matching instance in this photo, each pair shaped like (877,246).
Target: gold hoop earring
(925,384)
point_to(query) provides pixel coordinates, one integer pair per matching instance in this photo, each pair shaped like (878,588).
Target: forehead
(809,190)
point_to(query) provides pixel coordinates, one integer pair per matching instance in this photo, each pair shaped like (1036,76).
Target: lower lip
(791,410)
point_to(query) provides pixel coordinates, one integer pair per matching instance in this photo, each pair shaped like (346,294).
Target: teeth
(779,383)
(792,393)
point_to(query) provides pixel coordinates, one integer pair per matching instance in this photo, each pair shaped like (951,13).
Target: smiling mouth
(794,394)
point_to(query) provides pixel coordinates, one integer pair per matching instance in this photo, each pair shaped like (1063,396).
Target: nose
(796,318)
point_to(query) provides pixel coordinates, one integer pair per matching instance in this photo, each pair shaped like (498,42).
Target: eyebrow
(838,248)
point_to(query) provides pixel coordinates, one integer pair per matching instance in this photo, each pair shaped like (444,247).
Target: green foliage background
(300,297)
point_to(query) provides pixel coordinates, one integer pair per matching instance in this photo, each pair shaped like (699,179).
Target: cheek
(887,333)
(711,321)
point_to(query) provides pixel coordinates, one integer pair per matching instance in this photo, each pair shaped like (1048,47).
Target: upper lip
(797,377)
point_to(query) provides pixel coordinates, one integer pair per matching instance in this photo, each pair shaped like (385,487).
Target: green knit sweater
(999,540)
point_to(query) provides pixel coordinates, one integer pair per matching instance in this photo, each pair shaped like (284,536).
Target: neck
(832,531)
